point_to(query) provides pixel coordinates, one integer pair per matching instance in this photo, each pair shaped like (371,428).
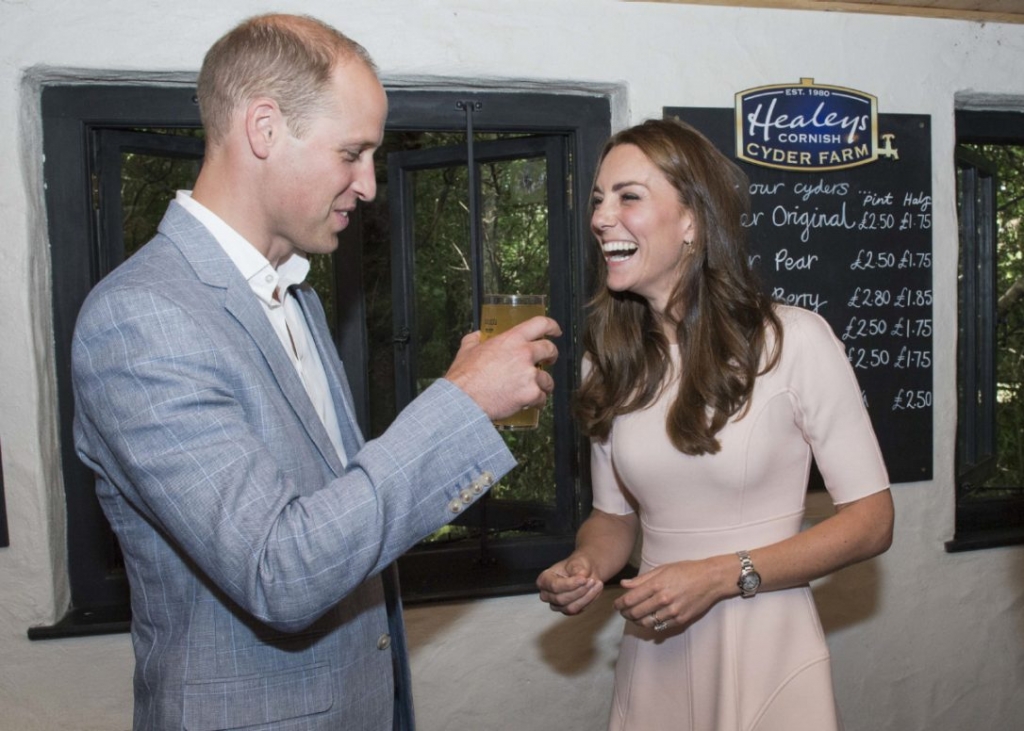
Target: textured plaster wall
(921,639)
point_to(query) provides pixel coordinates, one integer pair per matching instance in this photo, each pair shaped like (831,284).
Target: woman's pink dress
(758,664)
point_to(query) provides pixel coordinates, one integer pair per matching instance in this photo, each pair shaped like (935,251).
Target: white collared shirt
(282,310)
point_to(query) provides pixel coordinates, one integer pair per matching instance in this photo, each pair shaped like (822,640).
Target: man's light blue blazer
(258,565)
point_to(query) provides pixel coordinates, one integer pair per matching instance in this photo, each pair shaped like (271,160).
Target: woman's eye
(630,197)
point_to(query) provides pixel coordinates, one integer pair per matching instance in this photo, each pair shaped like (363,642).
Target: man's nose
(365,183)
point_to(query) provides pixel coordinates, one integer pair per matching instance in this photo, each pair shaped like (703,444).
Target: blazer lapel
(215,268)
(341,393)
(246,308)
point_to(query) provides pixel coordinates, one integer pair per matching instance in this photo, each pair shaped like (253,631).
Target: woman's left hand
(672,595)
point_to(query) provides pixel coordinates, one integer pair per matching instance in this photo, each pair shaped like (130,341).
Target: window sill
(85,623)
(117,620)
(987,521)
(978,540)
(462,570)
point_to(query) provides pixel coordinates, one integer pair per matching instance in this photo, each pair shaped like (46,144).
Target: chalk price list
(885,317)
(874,221)
(868,260)
(891,327)
(865,297)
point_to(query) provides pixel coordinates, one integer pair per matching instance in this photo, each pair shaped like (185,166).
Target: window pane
(516,261)
(1009,332)
(148,181)
(443,274)
(513,222)
(515,227)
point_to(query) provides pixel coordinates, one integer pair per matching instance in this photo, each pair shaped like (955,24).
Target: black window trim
(981,522)
(70,111)
(484,567)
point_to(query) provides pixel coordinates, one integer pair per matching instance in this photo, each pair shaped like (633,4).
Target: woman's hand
(603,545)
(675,595)
(570,586)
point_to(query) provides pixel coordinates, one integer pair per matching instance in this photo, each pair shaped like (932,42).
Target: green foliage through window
(1009,159)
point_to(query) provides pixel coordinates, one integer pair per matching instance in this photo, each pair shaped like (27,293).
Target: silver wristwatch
(749,580)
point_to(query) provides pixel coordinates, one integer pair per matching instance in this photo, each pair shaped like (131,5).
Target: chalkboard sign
(855,246)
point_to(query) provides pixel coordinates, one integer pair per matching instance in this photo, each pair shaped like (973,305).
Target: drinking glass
(498,313)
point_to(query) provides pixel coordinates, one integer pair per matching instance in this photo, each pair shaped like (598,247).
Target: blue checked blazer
(262,590)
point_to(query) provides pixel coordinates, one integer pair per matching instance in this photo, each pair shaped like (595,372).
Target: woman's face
(640,225)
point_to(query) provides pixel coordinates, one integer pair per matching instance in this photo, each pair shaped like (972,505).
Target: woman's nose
(602,218)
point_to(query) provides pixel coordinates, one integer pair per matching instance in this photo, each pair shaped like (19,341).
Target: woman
(704,403)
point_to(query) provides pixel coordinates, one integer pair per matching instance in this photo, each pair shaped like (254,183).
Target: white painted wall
(921,639)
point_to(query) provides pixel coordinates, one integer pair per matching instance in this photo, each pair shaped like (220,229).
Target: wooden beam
(988,11)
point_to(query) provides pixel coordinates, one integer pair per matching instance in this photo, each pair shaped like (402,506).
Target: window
(400,292)
(990,372)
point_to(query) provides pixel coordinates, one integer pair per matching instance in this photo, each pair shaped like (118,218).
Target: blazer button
(487,478)
(455,506)
(384,641)
(467,496)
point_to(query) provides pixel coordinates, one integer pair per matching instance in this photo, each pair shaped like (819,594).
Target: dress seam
(620,707)
(782,686)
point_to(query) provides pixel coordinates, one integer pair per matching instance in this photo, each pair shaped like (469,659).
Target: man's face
(321,175)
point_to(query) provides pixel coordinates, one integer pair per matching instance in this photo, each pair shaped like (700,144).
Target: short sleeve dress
(758,664)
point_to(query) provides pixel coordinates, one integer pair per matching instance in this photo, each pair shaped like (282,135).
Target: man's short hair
(288,58)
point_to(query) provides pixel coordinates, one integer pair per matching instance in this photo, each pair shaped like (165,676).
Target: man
(257,527)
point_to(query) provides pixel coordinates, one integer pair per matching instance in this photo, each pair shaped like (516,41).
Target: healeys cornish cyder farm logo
(807,127)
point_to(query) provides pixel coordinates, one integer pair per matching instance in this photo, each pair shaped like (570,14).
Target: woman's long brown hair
(720,311)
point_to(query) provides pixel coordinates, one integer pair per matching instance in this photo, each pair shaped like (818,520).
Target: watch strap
(749,579)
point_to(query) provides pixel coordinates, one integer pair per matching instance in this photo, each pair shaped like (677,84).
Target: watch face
(750,582)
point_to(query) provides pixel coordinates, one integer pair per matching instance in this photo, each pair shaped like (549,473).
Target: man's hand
(501,374)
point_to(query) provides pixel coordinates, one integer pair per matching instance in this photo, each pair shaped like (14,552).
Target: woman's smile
(641,225)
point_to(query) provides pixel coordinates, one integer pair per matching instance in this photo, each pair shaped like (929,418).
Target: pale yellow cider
(496,319)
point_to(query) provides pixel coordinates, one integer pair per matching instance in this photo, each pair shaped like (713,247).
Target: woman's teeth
(618,250)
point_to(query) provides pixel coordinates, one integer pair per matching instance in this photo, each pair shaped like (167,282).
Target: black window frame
(982,521)
(509,566)
(71,114)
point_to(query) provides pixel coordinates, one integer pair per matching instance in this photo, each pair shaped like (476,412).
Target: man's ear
(264,126)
